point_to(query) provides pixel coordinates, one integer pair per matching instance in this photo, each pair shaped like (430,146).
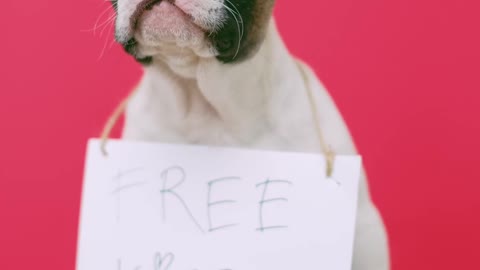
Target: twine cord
(326,149)
(112,121)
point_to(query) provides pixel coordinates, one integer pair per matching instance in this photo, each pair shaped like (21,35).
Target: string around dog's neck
(326,149)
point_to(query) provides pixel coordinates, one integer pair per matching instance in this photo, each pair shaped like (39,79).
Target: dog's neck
(243,98)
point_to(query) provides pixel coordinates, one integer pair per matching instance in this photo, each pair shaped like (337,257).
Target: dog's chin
(166,30)
(165,22)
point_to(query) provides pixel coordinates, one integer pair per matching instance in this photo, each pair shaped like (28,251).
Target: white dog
(218,73)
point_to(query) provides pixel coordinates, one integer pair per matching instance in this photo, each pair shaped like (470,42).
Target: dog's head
(230,30)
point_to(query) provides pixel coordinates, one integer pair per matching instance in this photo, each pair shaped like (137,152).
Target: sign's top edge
(96,142)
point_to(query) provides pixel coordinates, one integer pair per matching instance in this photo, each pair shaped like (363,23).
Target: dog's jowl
(233,29)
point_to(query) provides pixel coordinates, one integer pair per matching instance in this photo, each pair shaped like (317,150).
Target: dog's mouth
(154,21)
(148,5)
(142,8)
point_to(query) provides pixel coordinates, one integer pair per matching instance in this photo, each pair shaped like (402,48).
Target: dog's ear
(244,29)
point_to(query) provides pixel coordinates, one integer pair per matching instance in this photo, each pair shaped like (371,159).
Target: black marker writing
(163,262)
(122,175)
(169,174)
(210,204)
(265,200)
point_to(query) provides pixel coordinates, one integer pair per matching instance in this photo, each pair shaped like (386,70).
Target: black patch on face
(131,45)
(233,47)
(114,4)
(131,48)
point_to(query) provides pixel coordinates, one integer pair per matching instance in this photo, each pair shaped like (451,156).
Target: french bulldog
(216,72)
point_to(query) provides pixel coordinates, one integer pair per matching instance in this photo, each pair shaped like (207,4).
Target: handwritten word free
(219,193)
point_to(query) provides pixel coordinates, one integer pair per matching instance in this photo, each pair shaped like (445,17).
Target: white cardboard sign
(175,207)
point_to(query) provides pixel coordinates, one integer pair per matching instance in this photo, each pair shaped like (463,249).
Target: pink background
(404,73)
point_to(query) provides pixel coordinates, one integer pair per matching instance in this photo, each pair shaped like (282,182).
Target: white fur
(259,103)
(125,9)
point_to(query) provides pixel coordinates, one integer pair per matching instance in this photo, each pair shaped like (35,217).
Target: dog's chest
(208,129)
(202,125)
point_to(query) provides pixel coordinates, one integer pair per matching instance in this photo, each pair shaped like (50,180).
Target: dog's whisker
(112,42)
(107,25)
(102,53)
(240,35)
(239,14)
(109,42)
(97,23)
